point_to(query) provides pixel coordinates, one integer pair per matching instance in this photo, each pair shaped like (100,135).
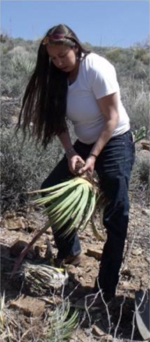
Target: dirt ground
(29,321)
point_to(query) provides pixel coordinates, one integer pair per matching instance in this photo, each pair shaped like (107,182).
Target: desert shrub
(140,111)
(115,55)
(139,184)
(6,45)
(10,108)
(144,172)
(135,97)
(142,55)
(23,167)
(17,67)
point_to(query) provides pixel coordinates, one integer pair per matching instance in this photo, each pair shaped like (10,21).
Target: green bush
(142,55)
(115,55)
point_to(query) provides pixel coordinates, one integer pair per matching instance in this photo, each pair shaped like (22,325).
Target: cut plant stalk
(41,278)
(27,248)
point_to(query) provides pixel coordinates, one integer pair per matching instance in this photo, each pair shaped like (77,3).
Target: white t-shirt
(96,79)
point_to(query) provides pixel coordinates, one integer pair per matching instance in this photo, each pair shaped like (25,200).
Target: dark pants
(113,167)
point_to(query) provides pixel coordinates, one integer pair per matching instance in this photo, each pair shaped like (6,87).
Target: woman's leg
(69,246)
(114,167)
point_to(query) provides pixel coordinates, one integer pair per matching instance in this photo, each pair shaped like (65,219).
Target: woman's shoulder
(93,60)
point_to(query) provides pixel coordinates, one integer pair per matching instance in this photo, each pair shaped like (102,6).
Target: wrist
(93,155)
(70,152)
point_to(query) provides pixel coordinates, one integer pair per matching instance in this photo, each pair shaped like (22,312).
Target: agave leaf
(140,134)
(58,224)
(61,328)
(49,198)
(53,188)
(66,199)
(79,212)
(66,210)
(69,199)
(90,209)
(56,205)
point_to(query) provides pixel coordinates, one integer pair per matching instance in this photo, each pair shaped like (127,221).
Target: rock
(72,269)
(110,338)
(142,158)
(126,272)
(89,233)
(82,237)
(125,285)
(13,223)
(146,212)
(97,331)
(30,306)
(82,338)
(18,247)
(145,145)
(94,253)
(137,251)
(10,215)
(49,233)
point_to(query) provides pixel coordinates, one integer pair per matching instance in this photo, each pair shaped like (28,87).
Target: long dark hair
(44,101)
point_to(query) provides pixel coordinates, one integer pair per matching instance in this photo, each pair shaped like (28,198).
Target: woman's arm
(72,156)
(65,140)
(109,108)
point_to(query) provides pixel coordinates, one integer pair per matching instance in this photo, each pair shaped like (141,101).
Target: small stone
(72,269)
(82,237)
(49,231)
(10,215)
(18,247)
(97,331)
(13,223)
(30,306)
(146,212)
(137,251)
(110,338)
(126,272)
(94,253)
(126,285)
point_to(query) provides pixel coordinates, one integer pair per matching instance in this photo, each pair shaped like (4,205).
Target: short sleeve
(102,76)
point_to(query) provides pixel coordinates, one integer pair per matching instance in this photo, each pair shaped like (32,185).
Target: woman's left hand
(89,165)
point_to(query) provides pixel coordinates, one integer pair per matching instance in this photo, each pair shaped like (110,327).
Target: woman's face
(63,57)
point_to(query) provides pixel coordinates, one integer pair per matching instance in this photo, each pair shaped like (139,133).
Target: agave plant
(139,134)
(62,328)
(70,204)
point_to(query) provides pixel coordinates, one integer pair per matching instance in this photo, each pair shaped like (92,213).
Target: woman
(71,82)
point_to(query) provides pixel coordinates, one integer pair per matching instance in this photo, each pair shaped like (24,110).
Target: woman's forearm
(65,140)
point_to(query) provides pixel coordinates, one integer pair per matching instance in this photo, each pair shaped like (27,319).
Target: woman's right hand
(74,162)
